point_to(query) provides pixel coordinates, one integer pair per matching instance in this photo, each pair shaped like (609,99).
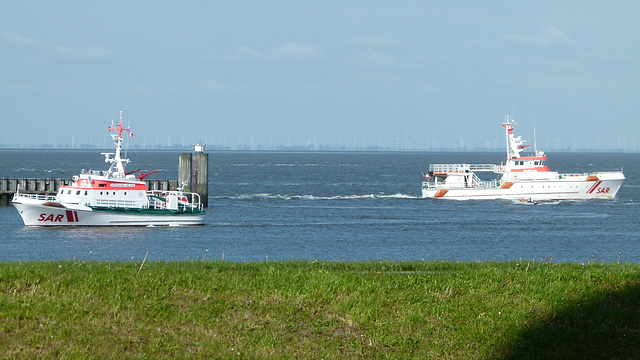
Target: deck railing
(40,186)
(481,184)
(461,167)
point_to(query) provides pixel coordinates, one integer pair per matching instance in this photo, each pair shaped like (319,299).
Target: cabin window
(125,193)
(78,192)
(102,185)
(100,192)
(86,193)
(68,192)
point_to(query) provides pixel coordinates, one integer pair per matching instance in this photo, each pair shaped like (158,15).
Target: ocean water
(338,207)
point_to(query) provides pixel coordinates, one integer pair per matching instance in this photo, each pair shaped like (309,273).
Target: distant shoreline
(324,151)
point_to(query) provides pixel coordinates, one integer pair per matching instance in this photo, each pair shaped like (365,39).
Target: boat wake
(267,196)
(550,202)
(537,202)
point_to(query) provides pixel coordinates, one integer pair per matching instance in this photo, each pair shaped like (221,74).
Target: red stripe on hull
(594,187)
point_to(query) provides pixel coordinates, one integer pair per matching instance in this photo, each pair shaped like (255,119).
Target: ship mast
(515,145)
(116,170)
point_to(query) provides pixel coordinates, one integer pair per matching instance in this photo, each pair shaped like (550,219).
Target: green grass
(331,310)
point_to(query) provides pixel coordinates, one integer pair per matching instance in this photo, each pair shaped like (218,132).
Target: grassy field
(330,310)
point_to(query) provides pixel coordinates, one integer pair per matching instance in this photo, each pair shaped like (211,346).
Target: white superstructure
(521,177)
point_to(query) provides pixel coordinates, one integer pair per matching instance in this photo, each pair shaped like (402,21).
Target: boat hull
(39,214)
(605,187)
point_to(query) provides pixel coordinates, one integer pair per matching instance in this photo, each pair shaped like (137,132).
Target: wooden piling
(185,171)
(193,172)
(5,199)
(201,176)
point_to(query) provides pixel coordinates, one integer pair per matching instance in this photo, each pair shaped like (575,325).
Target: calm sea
(338,206)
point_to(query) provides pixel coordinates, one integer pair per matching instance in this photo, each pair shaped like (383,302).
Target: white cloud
(87,53)
(296,51)
(244,52)
(287,51)
(212,84)
(141,91)
(427,88)
(548,37)
(373,42)
(377,59)
(18,41)
(18,86)
(378,78)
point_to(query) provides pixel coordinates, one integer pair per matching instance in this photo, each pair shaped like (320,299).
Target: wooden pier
(8,186)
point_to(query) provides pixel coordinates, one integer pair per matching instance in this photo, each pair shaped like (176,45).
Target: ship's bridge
(527,164)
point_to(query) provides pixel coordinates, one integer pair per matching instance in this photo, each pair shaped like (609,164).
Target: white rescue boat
(110,198)
(521,177)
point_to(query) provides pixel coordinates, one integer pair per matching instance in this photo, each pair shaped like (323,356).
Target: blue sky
(412,74)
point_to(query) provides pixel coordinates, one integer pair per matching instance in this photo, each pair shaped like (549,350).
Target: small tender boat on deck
(521,177)
(110,198)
